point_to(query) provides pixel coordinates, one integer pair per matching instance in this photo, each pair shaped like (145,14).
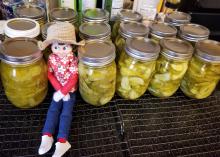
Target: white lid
(21,27)
(2,23)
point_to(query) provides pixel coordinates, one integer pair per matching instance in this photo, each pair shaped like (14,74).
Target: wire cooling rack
(149,126)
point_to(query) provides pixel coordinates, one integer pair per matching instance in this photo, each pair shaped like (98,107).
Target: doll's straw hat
(61,32)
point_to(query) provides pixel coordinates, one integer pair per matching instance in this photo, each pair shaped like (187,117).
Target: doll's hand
(58,96)
(66,98)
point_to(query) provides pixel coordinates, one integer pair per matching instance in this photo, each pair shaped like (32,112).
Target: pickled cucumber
(119,44)
(201,79)
(25,86)
(168,76)
(133,76)
(97,85)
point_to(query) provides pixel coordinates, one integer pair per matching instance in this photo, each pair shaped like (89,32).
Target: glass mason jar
(177,18)
(22,27)
(97,72)
(136,67)
(171,67)
(32,12)
(23,72)
(125,15)
(129,30)
(193,33)
(64,15)
(203,73)
(95,15)
(44,28)
(93,30)
(160,30)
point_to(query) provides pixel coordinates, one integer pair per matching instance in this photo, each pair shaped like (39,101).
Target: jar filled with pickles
(171,66)
(97,72)
(203,73)
(160,30)
(32,12)
(125,15)
(22,27)
(136,66)
(95,15)
(129,30)
(23,72)
(193,33)
(94,30)
(177,18)
(64,15)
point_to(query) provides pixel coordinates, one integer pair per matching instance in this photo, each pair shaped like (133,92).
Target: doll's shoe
(61,149)
(46,144)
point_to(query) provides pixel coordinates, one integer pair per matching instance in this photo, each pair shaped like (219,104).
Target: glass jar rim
(129,15)
(103,18)
(163,29)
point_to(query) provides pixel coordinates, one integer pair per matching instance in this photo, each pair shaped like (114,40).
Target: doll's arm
(55,83)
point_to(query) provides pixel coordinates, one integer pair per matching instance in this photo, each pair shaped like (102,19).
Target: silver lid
(93,30)
(194,32)
(63,14)
(20,51)
(176,49)
(97,53)
(32,12)
(21,24)
(208,50)
(95,15)
(129,15)
(177,18)
(142,48)
(133,29)
(163,29)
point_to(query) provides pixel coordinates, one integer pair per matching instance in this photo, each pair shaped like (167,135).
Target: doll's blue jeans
(59,116)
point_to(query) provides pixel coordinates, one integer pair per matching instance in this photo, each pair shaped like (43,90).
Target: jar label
(86,4)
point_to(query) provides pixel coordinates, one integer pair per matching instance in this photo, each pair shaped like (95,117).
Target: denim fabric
(60,113)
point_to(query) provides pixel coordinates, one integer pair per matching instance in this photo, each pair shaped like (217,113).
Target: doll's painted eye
(64,48)
(55,47)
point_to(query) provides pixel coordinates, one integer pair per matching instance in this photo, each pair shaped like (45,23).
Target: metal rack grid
(149,126)
(177,126)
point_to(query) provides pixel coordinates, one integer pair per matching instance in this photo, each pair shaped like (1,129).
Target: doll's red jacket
(63,72)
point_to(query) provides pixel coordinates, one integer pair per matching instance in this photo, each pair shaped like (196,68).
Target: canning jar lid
(97,53)
(129,15)
(194,32)
(177,18)
(142,48)
(174,48)
(95,15)
(22,27)
(133,29)
(63,14)
(33,12)
(163,29)
(94,30)
(208,50)
(20,51)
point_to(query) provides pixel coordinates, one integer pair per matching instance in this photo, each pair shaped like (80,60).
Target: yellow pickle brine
(135,67)
(23,72)
(203,73)
(97,72)
(171,66)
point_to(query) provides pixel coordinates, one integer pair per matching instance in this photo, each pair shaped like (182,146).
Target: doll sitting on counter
(63,75)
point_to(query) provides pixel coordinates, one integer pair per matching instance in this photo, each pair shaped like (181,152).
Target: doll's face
(61,49)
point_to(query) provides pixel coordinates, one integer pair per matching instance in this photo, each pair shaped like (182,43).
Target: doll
(63,75)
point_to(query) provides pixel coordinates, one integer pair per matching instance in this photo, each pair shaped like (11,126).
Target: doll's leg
(52,117)
(65,123)
(49,127)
